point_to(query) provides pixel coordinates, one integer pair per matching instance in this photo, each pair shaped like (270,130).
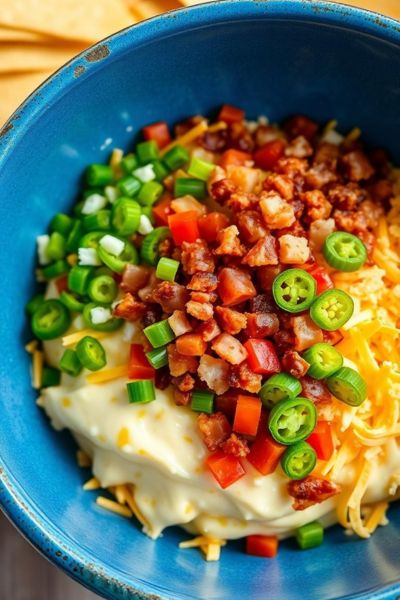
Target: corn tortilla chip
(15,88)
(34,57)
(145,9)
(19,35)
(386,7)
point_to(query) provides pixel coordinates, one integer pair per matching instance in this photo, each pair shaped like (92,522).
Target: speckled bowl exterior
(273,58)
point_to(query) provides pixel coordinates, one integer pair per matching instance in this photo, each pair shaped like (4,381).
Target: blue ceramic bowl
(273,58)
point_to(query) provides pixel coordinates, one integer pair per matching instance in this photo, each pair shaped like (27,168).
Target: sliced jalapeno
(91,239)
(348,386)
(299,460)
(50,320)
(294,290)
(149,250)
(292,420)
(332,309)
(91,353)
(344,251)
(323,359)
(111,325)
(117,263)
(279,386)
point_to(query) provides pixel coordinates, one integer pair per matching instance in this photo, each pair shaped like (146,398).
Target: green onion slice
(310,535)
(158,357)
(159,334)
(149,250)
(167,269)
(141,392)
(323,359)
(202,401)
(70,363)
(348,386)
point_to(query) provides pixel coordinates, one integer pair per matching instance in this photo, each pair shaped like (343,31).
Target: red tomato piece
(234,158)
(158,132)
(301,125)
(210,225)
(235,286)
(324,282)
(184,227)
(247,415)
(262,545)
(139,367)
(262,356)
(265,453)
(230,114)
(321,440)
(268,155)
(62,283)
(225,468)
(162,210)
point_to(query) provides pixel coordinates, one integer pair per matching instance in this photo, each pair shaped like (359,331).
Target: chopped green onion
(148,212)
(200,168)
(191,187)
(145,225)
(103,289)
(96,191)
(78,207)
(88,257)
(71,302)
(117,262)
(298,460)
(160,170)
(109,325)
(310,535)
(344,251)
(176,157)
(159,334)
(279,386)
(78,279)
(91,239)
(98,221)
(126,216)
(323,359)
(56,269)
(111,193)
(141,392)
(91,353)
(50,377)
(150,192)
(70,363)
(34,303)
(62,224)
(149,250)
(158,357)
(348,386)
(128,163)
(145,173)
(202,401)
(129,186)
(56,246)
(147,151)
(50,320)
(74,237)
(100,175)
(93,204)
(167,269)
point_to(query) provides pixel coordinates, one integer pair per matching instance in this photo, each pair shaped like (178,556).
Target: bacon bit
(179,323)
(184,383)
(222,190)
(180,364)
(315,390)
(240,137)
(235,286)
(357,166)
(306,332)
(200,310)
(293,167)
(151,315)
(277,213)
(134,278)
(229,348)
(214,141)
(241,376)
(319,231)
(241,201)
(214,429)
(182,398)
(328,154)
(346,196)
(263,253)
(299,147)
(261,324)
(266,276)
(262,303)
(129,308)
(332,337)
(203,297)
(317,205)
(185,203)
(170,295)
(230,320)
(211,224)
(215,373)
(191,344)
(203,282)
(266,133)
(145,293)
(320,175)
(229,242)
(227,404)
(300,125)
(196,256)
(245,179)
(311,490)
(284,340)
(209,330)
(162,378)
(236,445)
(294,364)
(250,226)
(293,250)
(282,184)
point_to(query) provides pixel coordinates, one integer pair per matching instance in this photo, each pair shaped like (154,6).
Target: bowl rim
(14,501)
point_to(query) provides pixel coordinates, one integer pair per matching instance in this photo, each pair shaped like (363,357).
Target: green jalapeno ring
(344,251)
(277,387)
(332,309)
(117,263)
(298,460)
(50,320)
(323,359)
(91,353)
(294,290)
(292,420)
(348,386)
(111,325)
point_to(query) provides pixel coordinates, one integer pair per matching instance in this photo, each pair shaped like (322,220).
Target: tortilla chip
(386,7)
(85,20)
(193,2)
(15,88)
(145,9)
(19,35)
(29,57)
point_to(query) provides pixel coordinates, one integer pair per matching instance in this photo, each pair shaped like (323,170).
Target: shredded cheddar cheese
(92,484)
(113,506)
(37,369)
(188,137)
(83,459)
(74,338)
(107,374)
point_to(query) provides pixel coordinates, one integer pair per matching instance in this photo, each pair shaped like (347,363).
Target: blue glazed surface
(273,58)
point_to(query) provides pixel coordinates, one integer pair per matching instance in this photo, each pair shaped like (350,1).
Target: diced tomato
(225,468)
(268,155)
(265,453)
(158,132)
(191,344)
(247,415)
(139,367)
(230,114)
(321,440)
(262,356)
(301,125)
(62,283)
(162,210)
(210,225)
(324,282)
(235,286)
(262,545)
(233,158)
(184,227)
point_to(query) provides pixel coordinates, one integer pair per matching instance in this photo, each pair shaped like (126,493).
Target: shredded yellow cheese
(83,459)
(37,369)
(74,338)
(377,516)
(92,484)
(108,374)
(217,126)
(31,346)
(188,137)
(115,161)
(113,506)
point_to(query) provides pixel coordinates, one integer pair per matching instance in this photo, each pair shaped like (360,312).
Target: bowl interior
(274,59)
